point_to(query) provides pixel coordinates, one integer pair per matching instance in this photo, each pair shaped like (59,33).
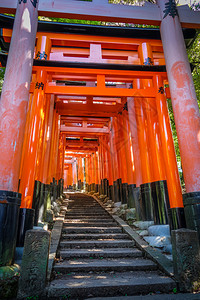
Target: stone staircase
(96,259)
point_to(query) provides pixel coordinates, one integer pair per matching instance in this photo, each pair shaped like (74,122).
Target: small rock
(143,233)
(143,224)
(117,204)
(49,216)
(158,241)
(123,206)
(115,210)
(130,214)
(159,230)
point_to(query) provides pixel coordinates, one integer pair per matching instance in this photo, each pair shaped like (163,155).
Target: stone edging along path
(163,263)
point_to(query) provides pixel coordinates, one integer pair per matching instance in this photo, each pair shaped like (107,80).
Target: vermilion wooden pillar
(65,176)
(47,147)
(152,130)
(109,162)
(96,172)
(43,141)
(86,172)
(56,144)
(184,101)
(69,176)
(80,173)
(130,160)
(26,133)
(117,145)
(44,118)
(174,187)
(134,127)
(52,146)
(142,135)
(113,153)
(15,93)
(30,159)
(74,173)
(105,158)
(122,149)
(35,134)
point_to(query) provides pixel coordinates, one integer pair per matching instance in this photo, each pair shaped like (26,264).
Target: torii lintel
(101,10)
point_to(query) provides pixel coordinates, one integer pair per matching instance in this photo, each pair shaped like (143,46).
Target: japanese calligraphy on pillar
(41,55)
(39,85)
(170,9)
(34,2)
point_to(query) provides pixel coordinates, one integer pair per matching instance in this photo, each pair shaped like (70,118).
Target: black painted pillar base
(96,188)
(110,192)
(119,186)
(124,193)
(55,188)
(93,187)
(134,200)
(155,202)
(176,218)
(102,187)
(79,184)
(26,222)
(116,191)
(131,196)
(146,202)
(36,200)
(9,217)
(86,187)
(161,205)
(191,202)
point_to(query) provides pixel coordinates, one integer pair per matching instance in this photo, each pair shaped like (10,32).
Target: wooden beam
(80,119)
(103,11)
(93,110)
(102,91)
(98,131)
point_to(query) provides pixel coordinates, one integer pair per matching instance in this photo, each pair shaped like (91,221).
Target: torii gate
(15,93)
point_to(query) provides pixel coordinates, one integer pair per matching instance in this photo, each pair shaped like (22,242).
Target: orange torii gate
(102,75)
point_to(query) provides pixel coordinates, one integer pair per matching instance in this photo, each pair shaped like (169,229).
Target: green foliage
(194,58)
(2,72)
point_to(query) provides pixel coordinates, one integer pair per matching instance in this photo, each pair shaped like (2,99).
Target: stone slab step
(86,213)
(89,209)
(117,284)
(94,204)
(97,244)
(89,224)
(181,296)
(92,229)
(66,221)
(88,217)
(95,265)
(98,253)
(94,236)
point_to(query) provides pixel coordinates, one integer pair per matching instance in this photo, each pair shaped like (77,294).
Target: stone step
(94,236)
(95,265)
(89,224)
(94,204)
(86,212)
(66,221)
(97,244)
(100,253)
(117,284)
(74,229)
(97,210)
(88,217)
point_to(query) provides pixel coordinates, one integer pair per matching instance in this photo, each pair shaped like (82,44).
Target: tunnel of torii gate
(84,107)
